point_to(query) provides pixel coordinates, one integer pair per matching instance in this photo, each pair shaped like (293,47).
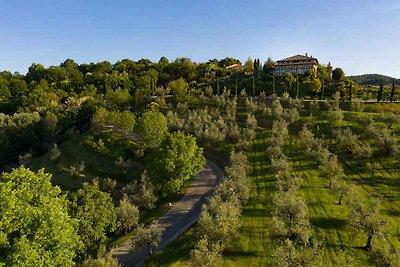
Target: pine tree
(392,92)
(380,92)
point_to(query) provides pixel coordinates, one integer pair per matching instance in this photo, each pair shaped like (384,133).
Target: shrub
(127,215)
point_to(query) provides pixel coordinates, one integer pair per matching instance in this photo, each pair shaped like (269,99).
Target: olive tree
(219,219)
(366,218)
(127,215)
(331,169)
(206,254)
(288,254)
(290,219)
(141,194)
(277,109)
(149,237)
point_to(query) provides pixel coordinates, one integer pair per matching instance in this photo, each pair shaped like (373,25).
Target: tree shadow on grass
(264,212)
(328,223)
(240,253)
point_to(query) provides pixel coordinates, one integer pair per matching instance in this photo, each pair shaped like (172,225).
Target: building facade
(297,64)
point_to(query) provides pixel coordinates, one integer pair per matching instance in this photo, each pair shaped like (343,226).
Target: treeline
(374,79)
(128,83)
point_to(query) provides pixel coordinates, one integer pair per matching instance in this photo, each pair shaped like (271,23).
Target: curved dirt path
(179,218)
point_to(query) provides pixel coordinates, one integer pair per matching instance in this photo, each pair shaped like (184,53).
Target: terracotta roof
(297,57)
(233,66)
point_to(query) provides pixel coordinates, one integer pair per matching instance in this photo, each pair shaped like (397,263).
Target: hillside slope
(373,79)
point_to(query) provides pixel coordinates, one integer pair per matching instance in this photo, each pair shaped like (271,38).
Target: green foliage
(35,227)
(290,218)
(179,88)
(141,194)
(289,255)
(152,128)
(118,98)
(124,120)
(206,254)
(127,214)
(149,237)
(337,74)
(366,218)
(95,213)
(380,93)
(219,220)
(174,162)
(102,261)
(19,133)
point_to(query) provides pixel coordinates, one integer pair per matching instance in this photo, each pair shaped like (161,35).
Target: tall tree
(322,89)
(380,92)
(393,92)
(36,229)
(254,85)
(249,66)
(152,128)
(351,92)
(149,237)
(179,87)
(273,85)
(337,74)
(175,161)
(366,218)
(96,216)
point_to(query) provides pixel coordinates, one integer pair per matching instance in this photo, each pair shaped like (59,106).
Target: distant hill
(373,79)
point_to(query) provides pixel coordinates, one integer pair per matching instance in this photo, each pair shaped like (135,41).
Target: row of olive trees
(290,229)
(218,225)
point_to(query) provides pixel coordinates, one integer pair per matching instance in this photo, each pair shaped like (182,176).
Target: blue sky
(359,36)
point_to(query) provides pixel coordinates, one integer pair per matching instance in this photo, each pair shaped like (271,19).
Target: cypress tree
(351,92)
(322,89)
(217,85)
(254,86)
(236,87)
(297,86)
(380,92)
(273,84)
(392,92)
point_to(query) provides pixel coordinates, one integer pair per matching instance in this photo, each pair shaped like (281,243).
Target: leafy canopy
(35,229)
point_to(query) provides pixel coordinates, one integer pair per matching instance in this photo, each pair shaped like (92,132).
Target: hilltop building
(297,64)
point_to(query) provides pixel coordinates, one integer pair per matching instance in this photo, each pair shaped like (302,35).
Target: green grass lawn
(329,220)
